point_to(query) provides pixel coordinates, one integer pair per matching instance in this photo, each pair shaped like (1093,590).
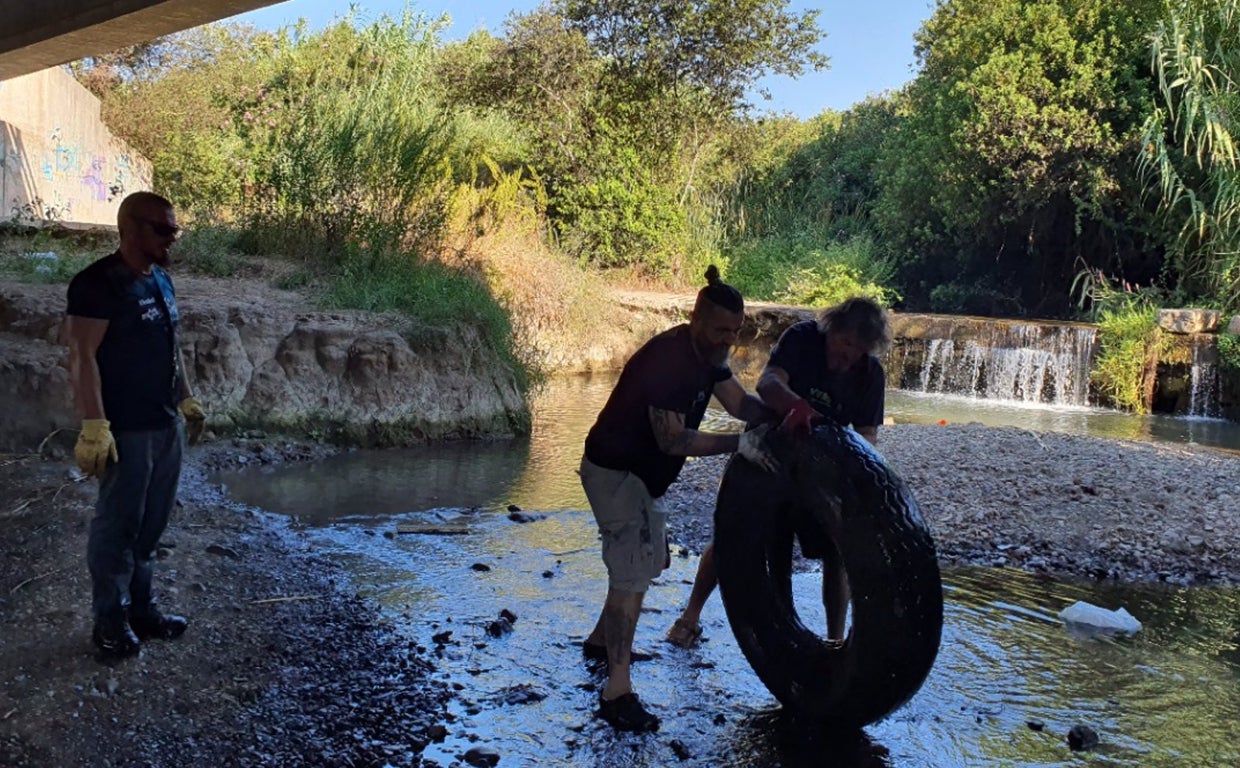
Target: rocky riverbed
(283,660)
(1060,504)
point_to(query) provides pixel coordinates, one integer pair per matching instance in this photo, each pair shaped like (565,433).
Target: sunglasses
(162,229)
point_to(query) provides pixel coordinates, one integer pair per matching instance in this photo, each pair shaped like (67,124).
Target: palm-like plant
(1191,157)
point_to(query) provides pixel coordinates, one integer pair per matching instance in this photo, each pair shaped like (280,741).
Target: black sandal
(626,713)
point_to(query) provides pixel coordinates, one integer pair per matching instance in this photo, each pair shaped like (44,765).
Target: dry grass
(562,315)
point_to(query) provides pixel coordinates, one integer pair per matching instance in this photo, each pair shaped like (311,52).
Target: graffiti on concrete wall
(59,162)
(103,177)
(123,178)
(53,177)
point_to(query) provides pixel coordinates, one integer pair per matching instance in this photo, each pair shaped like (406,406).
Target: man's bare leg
(835,593)
(616,628)
(703,585)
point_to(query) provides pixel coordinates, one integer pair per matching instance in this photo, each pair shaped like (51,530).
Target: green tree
(713,49)
(174,103)
(825,180)
(1014,165)
(625,106)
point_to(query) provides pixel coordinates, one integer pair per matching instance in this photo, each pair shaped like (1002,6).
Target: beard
(716,355)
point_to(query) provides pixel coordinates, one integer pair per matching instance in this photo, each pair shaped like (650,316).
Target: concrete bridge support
(37,34)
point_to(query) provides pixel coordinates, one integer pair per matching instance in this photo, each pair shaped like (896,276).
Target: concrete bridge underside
(37,34)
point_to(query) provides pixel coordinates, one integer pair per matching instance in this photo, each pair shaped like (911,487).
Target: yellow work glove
(95,447)
(195,419)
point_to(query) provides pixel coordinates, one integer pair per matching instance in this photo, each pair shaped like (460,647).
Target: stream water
(1008,684)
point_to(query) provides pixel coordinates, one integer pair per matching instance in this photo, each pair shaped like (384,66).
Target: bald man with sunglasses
(132,393)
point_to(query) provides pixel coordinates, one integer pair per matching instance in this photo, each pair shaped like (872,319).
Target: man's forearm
(693,442)
(753,410)
(186,389)
(775,393)
(87,393)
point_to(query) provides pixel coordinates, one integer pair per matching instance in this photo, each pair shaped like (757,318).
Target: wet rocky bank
(283,664)
(284,661)
(1065,505)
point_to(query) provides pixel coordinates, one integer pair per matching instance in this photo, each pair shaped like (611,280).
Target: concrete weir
(1044,362)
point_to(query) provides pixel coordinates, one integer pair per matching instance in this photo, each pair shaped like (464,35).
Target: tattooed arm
(676,440)
(742,405)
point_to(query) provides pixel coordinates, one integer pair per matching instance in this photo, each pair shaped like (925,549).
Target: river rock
(1082,737)
(482,757)
(1190,320)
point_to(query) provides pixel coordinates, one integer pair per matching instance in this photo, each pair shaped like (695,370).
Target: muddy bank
(1065,505)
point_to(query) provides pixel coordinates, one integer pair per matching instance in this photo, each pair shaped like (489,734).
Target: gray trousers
(136,496)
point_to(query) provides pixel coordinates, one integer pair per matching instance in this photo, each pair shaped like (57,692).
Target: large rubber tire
(888,554)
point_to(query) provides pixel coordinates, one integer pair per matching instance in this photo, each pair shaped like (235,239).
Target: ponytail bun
(720,293)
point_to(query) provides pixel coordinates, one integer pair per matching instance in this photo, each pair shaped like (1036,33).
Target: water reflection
(539,471)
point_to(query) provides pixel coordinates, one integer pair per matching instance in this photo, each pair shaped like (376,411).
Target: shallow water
(1169,696)
(926,408)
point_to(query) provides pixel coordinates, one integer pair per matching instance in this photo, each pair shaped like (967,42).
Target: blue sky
(870,42)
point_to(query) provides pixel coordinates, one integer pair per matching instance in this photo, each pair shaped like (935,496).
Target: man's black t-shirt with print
(138,369)
(666,374)
(851,397)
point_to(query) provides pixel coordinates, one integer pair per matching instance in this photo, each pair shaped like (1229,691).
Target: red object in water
(942,422)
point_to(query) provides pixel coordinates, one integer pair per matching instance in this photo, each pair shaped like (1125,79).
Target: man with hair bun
(636,449)
(819,368)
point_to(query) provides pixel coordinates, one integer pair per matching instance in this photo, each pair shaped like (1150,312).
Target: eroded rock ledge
(258,361)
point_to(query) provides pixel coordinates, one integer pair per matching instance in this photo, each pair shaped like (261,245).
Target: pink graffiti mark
(94,179)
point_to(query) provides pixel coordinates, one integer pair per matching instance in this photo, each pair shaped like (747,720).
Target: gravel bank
(1060,504)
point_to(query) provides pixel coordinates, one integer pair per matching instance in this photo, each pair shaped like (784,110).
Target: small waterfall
(1204,384)
(1022,362)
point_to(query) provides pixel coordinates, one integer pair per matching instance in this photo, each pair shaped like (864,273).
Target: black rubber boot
(150,624)
(115,638)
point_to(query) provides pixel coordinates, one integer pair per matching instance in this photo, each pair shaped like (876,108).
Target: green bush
(211,250)
(1128,341)
(432,296)
(625,220)
(970,299)
(797,270)
(42,260)
(1229,353)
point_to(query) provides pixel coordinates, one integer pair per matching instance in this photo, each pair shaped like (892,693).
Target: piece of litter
(1093,617)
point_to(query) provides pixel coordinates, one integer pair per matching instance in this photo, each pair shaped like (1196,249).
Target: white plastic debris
(1089,616)
(43,260)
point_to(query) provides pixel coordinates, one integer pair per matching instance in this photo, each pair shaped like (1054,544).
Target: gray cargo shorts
(633,526)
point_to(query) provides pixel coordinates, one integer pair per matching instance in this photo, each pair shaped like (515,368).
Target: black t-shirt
(138,369)
(666,374)
(851,397)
